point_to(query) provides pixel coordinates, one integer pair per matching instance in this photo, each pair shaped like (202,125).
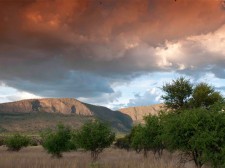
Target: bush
(123,143)
(2,141)
(58,141)
(95,136)
(16,142)
(33,142)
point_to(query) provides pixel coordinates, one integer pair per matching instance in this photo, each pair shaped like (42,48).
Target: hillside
(137,113)
(36,114)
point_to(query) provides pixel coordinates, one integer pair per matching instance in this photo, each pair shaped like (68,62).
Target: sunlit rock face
(138,113)
(50,105)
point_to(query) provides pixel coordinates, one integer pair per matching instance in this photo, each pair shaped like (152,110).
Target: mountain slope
(36,114)
(137,113)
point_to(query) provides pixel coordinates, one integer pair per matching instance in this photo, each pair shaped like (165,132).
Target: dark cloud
(80,47)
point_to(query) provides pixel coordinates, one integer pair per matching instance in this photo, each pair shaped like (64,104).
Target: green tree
(16,142)
(154,128)
(204,96)
(94,136)
(199,133)
(58,141)
(139,139)
(147,137)
(177,93)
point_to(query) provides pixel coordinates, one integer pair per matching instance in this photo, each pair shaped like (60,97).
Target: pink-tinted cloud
(43,42)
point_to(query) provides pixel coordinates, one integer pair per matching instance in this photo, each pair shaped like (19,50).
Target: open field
(36,157)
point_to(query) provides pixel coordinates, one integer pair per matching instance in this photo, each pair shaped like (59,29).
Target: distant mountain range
(33,115)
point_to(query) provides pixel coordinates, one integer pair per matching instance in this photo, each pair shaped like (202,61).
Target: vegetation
(177,93)
(181,94)
(56,142)
(204,96)
(111,158)
(123,143)
(193,123)
(16,142)
(94,136)
(148,137)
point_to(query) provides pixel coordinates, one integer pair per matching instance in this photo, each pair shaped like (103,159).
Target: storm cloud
(81,48)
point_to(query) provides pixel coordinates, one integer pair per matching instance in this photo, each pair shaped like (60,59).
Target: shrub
(58,141)
(16,142)
(123,143)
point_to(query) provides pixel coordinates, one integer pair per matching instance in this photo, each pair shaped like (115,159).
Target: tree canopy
(95,136)
(177,93)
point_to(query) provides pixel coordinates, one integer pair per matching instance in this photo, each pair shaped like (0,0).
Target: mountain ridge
(137,113)
(65,106)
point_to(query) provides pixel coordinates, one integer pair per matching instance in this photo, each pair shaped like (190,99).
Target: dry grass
(36,157)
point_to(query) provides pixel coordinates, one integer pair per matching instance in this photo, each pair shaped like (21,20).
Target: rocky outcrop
(119,121)
(49,105)
(137,113)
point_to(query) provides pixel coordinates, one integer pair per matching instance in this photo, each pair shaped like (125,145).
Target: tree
(16,142)
(154,128)
(139,139)
(94,136)
(198,133)
(147,137)
(177,93)
(58,141)
(204,95)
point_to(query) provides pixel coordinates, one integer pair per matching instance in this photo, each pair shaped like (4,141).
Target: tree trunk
(145,153)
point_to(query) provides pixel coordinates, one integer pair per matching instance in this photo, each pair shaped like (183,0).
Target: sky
(108,52)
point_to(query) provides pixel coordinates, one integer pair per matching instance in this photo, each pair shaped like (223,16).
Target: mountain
(137,113)
(36,114)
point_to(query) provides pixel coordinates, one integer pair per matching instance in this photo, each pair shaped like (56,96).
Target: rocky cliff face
(137,113)
(50,105)
(119,121)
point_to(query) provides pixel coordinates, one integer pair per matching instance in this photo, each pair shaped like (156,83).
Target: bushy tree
(177,93)
(16,142)
(139,139)
(58,141)
(204,96)
(147,137)
(94,136)
(154,128)
(199,133)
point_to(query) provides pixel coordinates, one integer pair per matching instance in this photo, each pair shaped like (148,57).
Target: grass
(33,123)
(36,157)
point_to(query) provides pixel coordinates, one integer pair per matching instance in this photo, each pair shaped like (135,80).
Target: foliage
(177,93)
(94,136)
(199,133)
(204,95)
(154,128)
(73,143)
(16,142)
(148,137)
(123,143)
(58,141)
